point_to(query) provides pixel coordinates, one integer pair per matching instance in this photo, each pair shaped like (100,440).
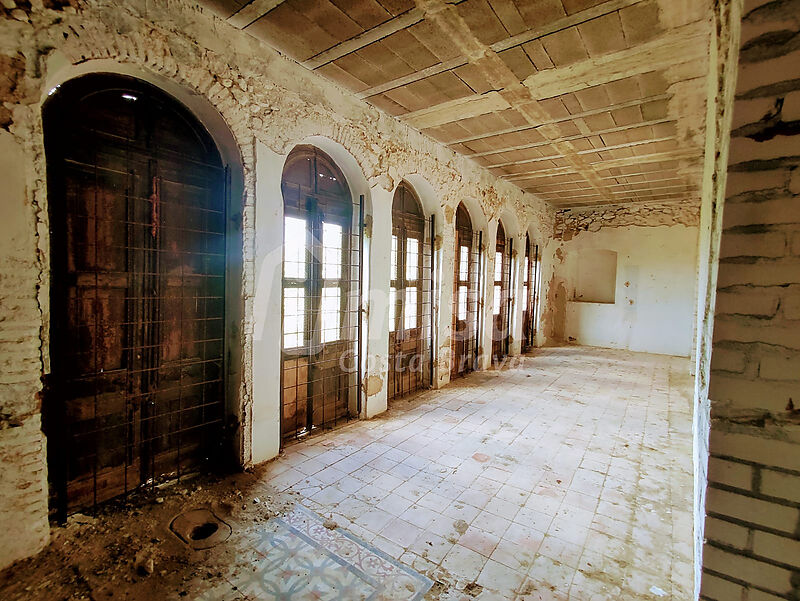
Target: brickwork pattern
(571,222)
(752,530)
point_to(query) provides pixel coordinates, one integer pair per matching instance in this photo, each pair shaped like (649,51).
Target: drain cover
(200,528)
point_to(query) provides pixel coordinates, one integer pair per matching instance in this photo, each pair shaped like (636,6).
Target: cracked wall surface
(571,222)
(261,98)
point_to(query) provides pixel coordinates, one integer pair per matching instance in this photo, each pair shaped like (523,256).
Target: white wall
(655,289)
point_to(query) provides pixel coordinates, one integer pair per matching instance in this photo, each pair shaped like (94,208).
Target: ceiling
(580,102)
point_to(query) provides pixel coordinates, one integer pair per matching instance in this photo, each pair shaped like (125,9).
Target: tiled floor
(569,477)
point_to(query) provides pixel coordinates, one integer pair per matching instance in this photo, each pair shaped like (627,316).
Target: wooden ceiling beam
(517,40)
(252,12)
(655,157)
(469,106)
(620,201)
(599,111)
(582,152)
(612,130)
(646,189)
(377,33)
(676,46)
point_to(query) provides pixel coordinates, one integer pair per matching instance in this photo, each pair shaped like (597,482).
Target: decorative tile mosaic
(301,560)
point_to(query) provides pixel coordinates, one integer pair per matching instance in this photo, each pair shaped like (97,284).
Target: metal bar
(432,238)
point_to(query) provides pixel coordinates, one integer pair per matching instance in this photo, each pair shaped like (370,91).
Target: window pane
(411,308)
(462,302)
(412,258)
(331,307)
(293,317)
(498,266)
(525,296)
(331,251)
(393,275)
(496,310)
(294,236)
(527,267)
(392,309)
(463,264)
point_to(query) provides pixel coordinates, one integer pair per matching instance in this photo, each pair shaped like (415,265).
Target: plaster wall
(258,105)
(654,286)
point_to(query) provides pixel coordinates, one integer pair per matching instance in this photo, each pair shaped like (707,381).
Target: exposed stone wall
(753,500)
(571,222)
(260,95)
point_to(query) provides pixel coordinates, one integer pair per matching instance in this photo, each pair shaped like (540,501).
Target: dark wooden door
(137,197)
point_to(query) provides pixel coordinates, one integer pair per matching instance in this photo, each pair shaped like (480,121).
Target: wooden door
(137,210)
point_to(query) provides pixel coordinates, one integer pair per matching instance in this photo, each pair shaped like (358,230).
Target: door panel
(137,210)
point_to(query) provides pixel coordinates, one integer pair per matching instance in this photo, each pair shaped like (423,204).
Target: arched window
(529,290)
(321,295)
(466,295)
(501,297)
(409,296)
(137,199)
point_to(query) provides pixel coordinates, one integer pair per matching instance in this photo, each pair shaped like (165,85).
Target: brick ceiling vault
(580,102)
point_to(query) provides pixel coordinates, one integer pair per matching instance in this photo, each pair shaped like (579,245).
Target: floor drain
(204,531)
(200,528)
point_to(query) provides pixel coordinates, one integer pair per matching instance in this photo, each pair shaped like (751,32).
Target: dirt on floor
(126,549)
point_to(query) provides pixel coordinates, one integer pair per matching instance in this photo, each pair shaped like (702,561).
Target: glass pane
(527,266)
(412,258)
(394,258)
(392,309)
(410,310)
(462,302)
(496,306)
(463,264)
(294,236)
(331,251)
(498,266)
(331,307)
(294,308)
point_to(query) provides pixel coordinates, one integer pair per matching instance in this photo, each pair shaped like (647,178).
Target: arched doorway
(466,295)
(529,292)
(137,201)
(321,322)
(501,297)
(410,308)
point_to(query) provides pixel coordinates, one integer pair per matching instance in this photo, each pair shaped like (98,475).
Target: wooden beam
(252,12)
(601,132)
(407,19)
(453,110)
(600,111)
(654,181)
(591,193)
(619,201)
(581,152)
(683,44)
(601,165)
(517,40)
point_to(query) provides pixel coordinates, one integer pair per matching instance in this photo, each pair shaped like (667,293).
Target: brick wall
(752,531)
